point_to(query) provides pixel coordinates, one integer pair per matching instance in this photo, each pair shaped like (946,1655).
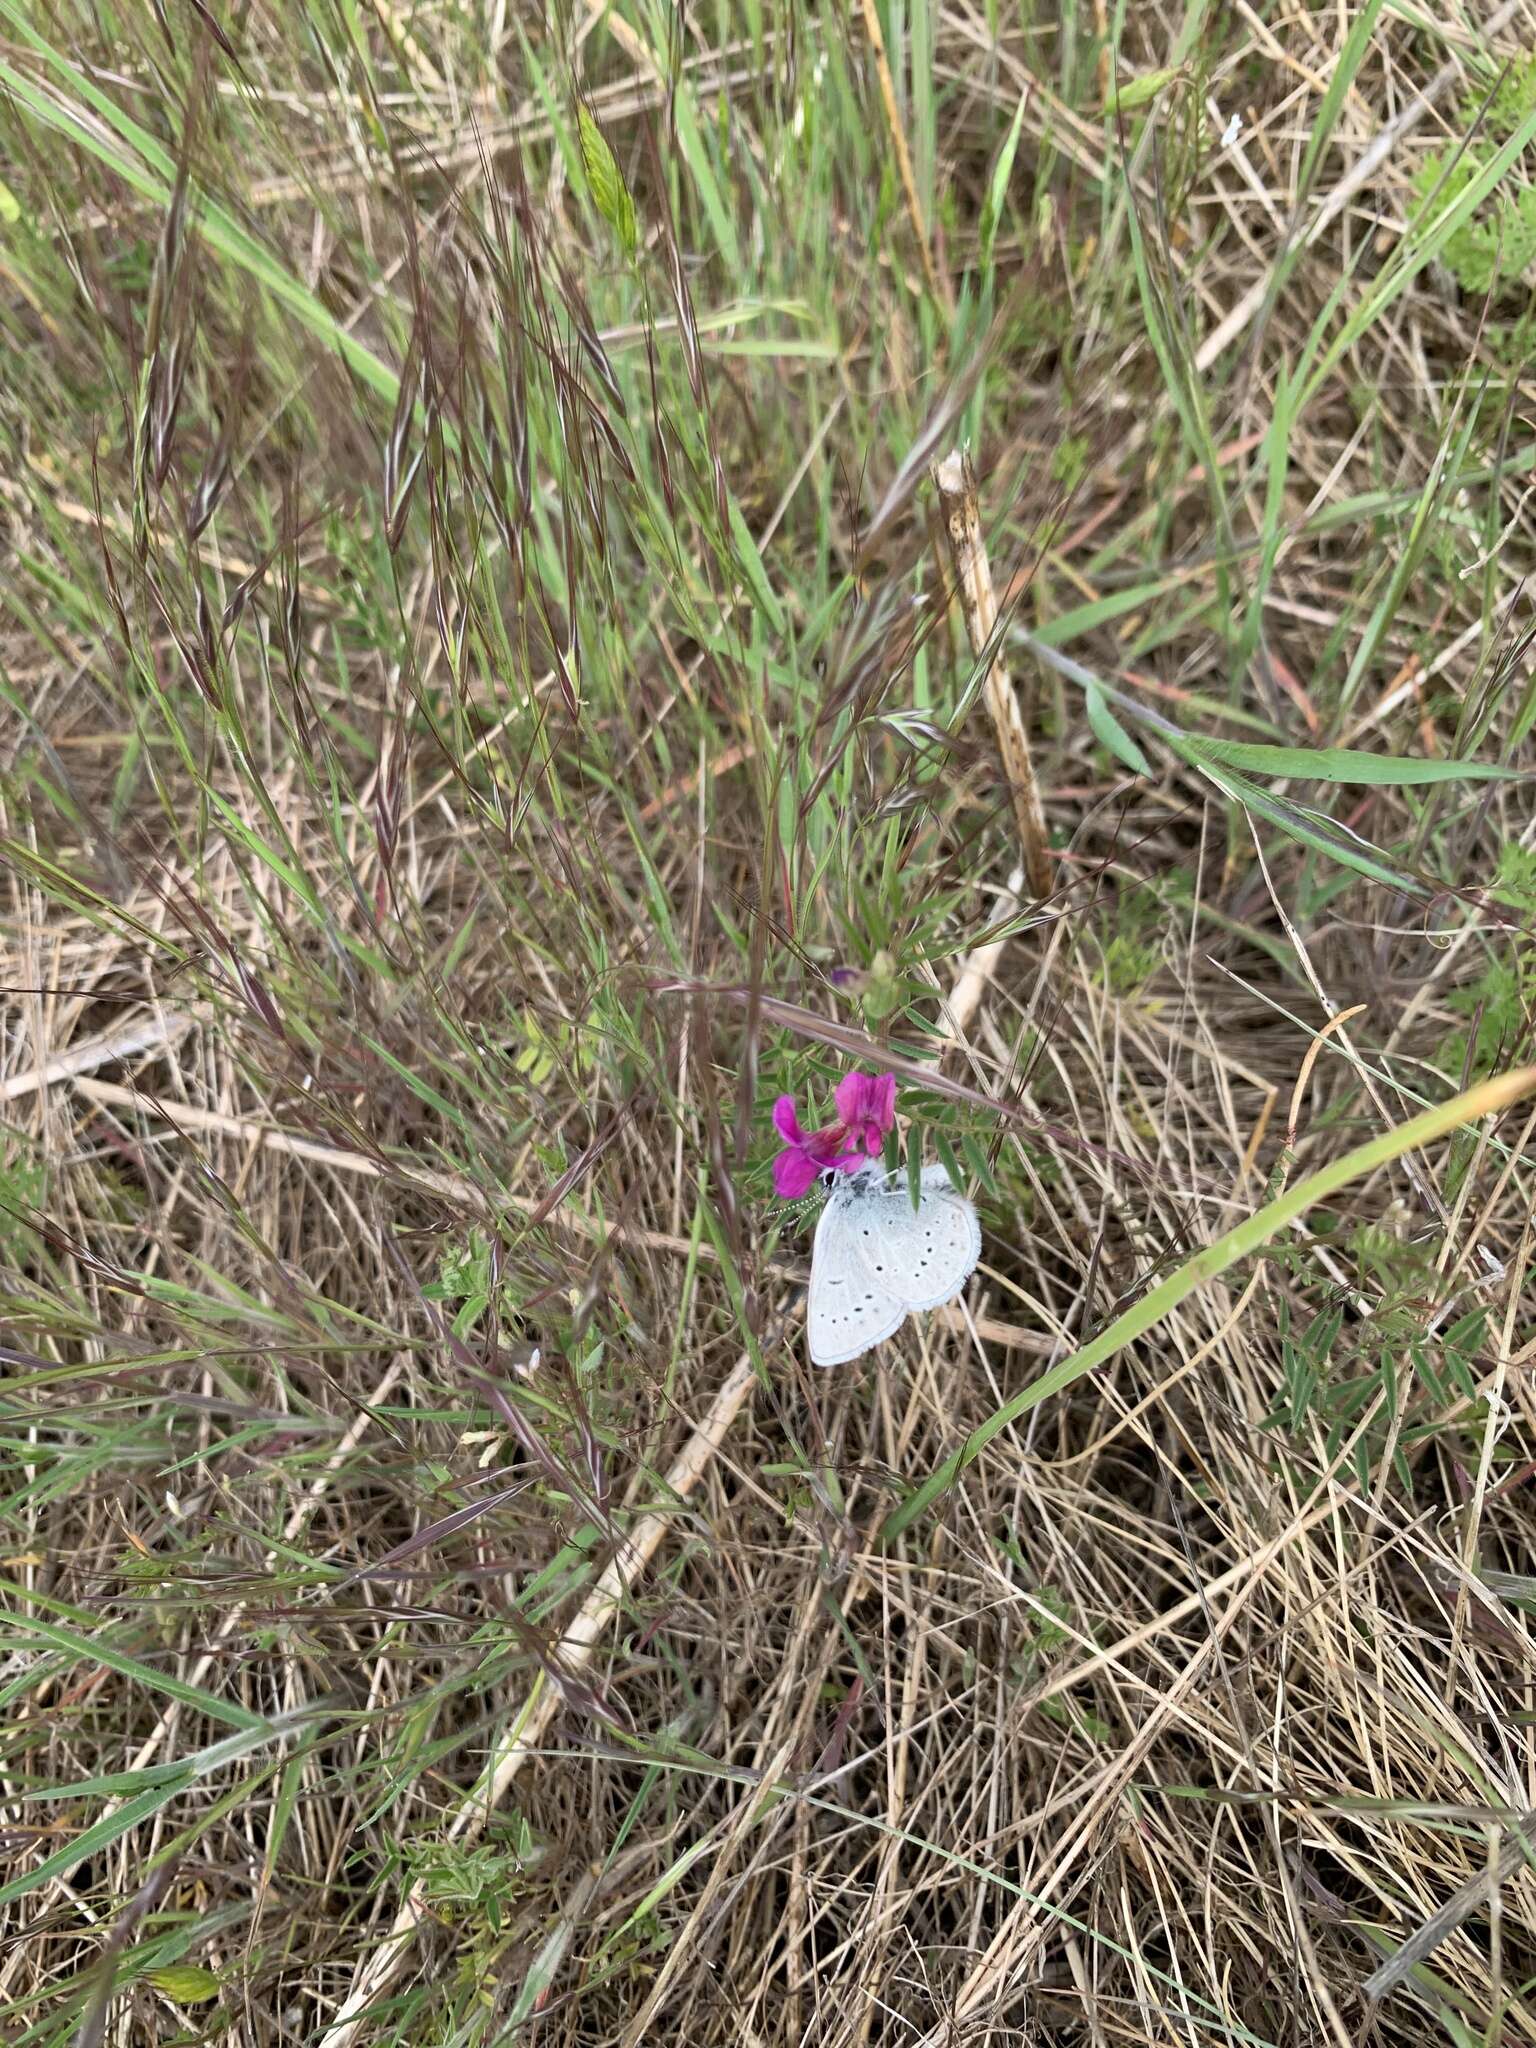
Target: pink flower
(807,1154)
(866,1106)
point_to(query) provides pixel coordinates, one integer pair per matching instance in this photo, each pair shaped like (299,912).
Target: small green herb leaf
(187,1983)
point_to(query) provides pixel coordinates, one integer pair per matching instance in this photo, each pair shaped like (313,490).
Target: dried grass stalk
(955,480)
(577,1645)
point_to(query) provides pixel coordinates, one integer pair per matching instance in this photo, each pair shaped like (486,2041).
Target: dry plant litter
(491,701)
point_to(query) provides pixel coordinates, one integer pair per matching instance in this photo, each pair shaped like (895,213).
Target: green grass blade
(1247,1237)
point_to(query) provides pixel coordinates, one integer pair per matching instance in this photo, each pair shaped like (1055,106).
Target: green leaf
(1344,71)
(90,1842)
(1343,764)
(610,194)
(1136,92)
(949,1162)
(754,568)
(1421,245)
(1109,732)
(101,1649)
(1084,619)
(1208,1264)
(981,1167)
(187,1983)
(696,156)
(1309,827)
(997,187)
(145,166)
(883,992)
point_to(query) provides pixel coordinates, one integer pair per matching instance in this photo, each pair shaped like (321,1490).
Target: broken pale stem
(577,1644)
(955,481)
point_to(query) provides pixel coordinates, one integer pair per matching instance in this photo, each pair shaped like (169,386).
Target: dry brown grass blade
(938,284)
(577,1644)
(1022,1933)
(127,1042)
(955,480)
(1425,1939)
(978,969)
(748,1814)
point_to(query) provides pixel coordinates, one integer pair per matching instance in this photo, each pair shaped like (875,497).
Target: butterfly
(875,1259)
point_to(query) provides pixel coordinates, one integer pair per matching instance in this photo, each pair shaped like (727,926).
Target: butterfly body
(875,1259)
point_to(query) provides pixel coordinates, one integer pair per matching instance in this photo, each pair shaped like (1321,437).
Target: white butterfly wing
(921,1256)
(847,1313)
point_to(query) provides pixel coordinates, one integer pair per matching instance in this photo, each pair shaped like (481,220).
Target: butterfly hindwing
(847,1313)
(922,1256)
(875,1258)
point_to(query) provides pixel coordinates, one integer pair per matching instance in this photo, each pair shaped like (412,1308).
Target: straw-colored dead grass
(579,1694)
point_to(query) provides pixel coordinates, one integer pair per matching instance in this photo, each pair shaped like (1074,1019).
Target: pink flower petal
(867,1105)
(850,1098)
(794,1173)
(786,1123)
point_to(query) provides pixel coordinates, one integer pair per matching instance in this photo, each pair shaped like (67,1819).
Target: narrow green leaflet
(144,166)
(1340,764)
(1109,732)
(101,1650)
(88,1843)
(186,1983)
(1140,92)
(997,186)
(1310,828)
